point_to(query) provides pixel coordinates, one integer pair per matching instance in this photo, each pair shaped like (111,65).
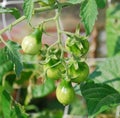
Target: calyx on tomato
(53,69)
(31,43)
(80,73)
(65,92)
(77,45)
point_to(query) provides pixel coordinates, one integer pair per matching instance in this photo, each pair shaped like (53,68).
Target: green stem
(48,8)
(67,33)
(2,40)
(41,9)
(4,77)
(12,24)
(55,43)
(47,20)
(58,27)
(59,31)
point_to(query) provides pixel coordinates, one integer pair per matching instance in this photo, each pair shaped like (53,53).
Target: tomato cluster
(56,66)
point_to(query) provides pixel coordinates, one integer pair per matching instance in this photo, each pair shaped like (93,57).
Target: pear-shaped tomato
(65,92)
(31,44)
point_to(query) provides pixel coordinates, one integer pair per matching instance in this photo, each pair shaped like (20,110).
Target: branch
(37,10)
(12,24)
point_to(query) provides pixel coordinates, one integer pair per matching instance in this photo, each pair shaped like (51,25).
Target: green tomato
(31,44)
(80,74)
(53,72)
(65,93)
(78,46)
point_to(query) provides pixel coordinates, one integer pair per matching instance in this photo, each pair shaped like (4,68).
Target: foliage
(44,89)
(88,13)
(12,50)
(6,64)
(15,12)
(113,37)
(10,108)
(28,8)
(108,72)
(18,70)
(99,97)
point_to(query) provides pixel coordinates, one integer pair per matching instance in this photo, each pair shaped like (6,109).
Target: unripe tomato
(55,71)
(65,93)
(52,72)
(78,46)
(80,74)
(31,44)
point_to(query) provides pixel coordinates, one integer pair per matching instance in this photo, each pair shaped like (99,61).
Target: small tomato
(65,93)
(31,44)
(53,72)
(79,74)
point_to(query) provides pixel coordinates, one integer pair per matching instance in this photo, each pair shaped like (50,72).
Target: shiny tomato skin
(65,93)
(80,74)
(30,45)
(52,72)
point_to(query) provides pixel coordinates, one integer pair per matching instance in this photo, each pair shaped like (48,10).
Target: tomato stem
(12,24)
(36,10)
(47,20)
(59,28)
(48,8)
(67,33)
(2,40)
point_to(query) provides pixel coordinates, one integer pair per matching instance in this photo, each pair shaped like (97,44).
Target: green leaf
(43,89)
(14,11)
(88,14)
(12,50)
(6,103)
(101,3)
(108,72)
(5,64)
(20,112)
(11,109)
(28,8)
(112,30)
(74,1)
(24,77)
(99,97)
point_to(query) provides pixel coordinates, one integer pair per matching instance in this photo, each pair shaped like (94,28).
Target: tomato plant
(60,66)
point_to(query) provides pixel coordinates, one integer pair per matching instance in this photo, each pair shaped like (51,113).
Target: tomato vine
(53,66)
